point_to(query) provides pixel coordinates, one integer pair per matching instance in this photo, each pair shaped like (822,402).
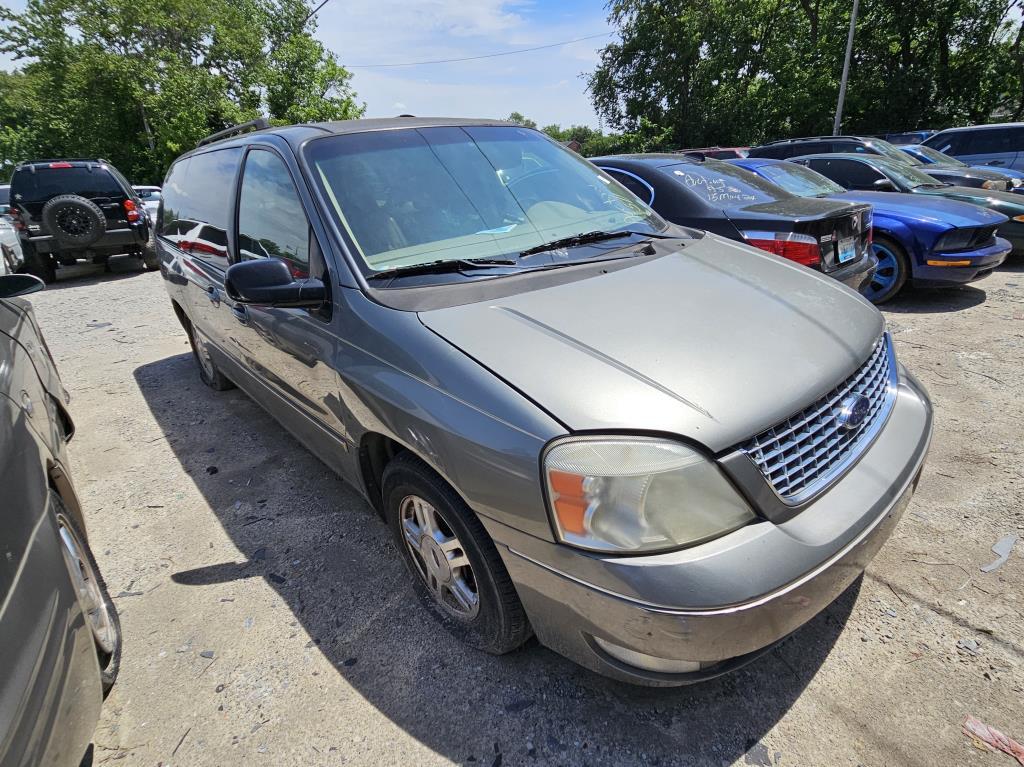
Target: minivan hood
(934,209)
(1006,202)
(714,343)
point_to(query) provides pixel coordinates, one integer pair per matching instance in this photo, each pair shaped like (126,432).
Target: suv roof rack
(260,123)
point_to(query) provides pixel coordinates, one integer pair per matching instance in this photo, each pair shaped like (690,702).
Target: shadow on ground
(332,561)
(935,300)
(82,273)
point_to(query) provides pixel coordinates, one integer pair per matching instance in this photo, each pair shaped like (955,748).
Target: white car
(10,247)
(151,196)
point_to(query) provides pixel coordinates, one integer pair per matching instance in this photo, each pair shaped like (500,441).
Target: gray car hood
(713,343)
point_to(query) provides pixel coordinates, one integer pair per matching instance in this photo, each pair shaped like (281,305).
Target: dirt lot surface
(269,621)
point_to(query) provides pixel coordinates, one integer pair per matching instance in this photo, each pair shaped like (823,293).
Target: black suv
(785,149)
(65,210)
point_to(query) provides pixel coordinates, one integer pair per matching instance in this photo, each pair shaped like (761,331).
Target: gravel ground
(268,619)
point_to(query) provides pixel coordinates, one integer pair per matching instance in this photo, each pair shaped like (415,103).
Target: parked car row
(535,368)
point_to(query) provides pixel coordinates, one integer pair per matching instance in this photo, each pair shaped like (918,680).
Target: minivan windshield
(799,180)
(893,152)
(905,176)
(421,195)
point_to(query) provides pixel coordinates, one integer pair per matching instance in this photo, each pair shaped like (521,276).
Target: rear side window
(197,193)
(271,219)
(91,182)
(993,141)
(848,173)
(638,187)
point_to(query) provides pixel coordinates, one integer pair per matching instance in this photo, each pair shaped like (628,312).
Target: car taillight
(801,248)
(130,210)
(15,215)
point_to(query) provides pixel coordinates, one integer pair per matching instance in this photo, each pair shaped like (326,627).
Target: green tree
(138,83)
(744,71)
(519,119)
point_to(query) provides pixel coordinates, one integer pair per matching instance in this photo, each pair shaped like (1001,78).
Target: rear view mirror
(12,285)
(883,185)
(269,282)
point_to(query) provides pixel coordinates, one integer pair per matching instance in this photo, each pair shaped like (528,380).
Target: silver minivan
(658,450)
(1000,145)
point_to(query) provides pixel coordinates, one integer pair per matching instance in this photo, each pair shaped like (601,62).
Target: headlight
(999,186)
(633,494)
(957,239)
(1016,182)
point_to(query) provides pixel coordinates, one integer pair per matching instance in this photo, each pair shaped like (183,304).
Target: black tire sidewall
(487,630)
(88,207)
(37,264)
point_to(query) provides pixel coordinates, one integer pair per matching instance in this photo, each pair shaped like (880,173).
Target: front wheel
(892,272)
(93,596)
(457,572)
(209,373)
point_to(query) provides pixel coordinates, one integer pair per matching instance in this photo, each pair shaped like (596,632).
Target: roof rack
(260,123)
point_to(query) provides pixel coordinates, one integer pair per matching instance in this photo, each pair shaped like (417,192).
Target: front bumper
(722,603)
(1013,231)
(953,271)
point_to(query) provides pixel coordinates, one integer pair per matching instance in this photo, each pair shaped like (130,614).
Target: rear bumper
(950,269)
(857,274)
(113,241)
(751,588)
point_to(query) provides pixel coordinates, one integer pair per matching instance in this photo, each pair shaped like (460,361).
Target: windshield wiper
(444,266)
(596,236)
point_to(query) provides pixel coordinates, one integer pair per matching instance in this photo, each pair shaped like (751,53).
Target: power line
(474,58)
(314,12)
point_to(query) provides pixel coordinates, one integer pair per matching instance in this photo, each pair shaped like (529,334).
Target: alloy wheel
(98,611)
(886,273)
(440,558)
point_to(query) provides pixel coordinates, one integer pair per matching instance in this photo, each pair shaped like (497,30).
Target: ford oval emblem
(852,411)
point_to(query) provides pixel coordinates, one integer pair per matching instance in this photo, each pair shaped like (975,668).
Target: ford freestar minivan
(659,450)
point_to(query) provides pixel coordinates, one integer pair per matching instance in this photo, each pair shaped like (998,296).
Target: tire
(100,613)
(209,373)
(39,264)
(892,272)
(73,220)
(150,257)
(495,622)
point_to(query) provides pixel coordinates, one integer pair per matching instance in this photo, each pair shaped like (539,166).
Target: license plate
(847,249)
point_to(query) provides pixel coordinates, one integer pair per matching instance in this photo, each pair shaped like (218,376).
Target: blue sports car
(930,156)
(929,241)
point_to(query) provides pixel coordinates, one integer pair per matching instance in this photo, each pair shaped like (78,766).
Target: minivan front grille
(805,453)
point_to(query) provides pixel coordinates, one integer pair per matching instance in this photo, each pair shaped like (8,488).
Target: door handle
(241,312)
(998,162)
(214,295)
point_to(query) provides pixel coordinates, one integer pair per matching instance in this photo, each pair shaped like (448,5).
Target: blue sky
(544,85)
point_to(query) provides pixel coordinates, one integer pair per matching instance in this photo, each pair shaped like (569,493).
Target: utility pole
(846,70)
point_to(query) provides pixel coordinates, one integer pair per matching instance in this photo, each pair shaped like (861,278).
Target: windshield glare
(936,156)
(799,180)
(415,196)
(907,176)
(892,152)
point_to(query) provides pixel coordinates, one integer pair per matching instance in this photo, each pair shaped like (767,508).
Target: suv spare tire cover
(74,220)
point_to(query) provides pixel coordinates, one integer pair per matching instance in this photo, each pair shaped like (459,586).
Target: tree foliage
(733,72)
(139,83)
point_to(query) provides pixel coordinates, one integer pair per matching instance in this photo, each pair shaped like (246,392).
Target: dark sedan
(717,196)
(874,173)
(60,638)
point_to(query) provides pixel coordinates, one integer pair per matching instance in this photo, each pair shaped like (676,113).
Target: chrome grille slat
(804,453)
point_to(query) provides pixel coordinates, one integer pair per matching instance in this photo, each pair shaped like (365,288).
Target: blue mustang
(929,241)
(930,156)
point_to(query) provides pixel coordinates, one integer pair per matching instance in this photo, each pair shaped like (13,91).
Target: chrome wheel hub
(440,558)
(90,595)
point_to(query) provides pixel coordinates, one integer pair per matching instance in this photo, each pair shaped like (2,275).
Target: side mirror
(269,282)
(883,185)
(12,285)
